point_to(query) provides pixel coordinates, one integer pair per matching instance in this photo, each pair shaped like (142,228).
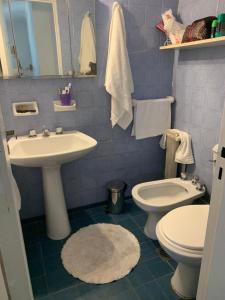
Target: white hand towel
(87,45)
(118,79)
(151,117)
(162,142)
(184,153)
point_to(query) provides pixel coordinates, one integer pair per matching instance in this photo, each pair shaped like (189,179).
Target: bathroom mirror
(42,38)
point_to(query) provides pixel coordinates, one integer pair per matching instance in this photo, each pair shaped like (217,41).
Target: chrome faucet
(45,132)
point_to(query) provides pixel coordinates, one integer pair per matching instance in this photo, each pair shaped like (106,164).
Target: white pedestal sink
(50,153)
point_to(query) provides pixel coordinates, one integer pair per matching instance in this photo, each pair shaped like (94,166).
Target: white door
(14,269)
(3,287)
(212,276)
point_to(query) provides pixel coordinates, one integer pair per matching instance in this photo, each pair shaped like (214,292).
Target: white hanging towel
(87,45)
(175,132)
(151,117)
(184,153)
(118,79)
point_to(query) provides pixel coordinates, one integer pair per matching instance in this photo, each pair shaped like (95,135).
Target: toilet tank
(214,156)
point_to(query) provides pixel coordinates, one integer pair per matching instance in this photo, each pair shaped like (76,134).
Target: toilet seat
(174,248)
(186,226)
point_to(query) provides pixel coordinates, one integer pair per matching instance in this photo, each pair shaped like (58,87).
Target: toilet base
(185,281)
(150,226)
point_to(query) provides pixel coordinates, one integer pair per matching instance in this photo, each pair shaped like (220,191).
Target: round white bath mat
(101,253)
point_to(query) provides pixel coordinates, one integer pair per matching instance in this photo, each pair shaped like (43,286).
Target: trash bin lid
(116,185)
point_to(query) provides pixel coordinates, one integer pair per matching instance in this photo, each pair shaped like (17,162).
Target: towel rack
(171,99)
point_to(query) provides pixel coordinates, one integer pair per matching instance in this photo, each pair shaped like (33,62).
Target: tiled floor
(150,280)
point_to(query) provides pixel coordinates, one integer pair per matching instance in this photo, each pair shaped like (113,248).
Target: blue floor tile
(131,226)
(96,211)
(127,294)
(39,286)
(60,279)
(148,250)
(133,210)
(30,232)
(103,219)
(80,221)
(36,267)
(158,267)
(33,250)
(120,217)
(140,220)
(94,292)
(81,291)
(140,275)
(165,285)
(150,291)
(50,247)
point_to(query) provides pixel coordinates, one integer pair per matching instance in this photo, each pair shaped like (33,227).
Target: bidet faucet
(45,132)
(200,187)
(195,180)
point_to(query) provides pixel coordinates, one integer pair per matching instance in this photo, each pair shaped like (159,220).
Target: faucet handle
(195,180)
(45,131)
(59,130)
(32,133)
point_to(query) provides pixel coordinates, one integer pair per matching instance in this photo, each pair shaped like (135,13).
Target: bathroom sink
(48,151)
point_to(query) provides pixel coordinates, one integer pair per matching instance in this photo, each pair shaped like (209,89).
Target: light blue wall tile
(200,90)
(118,155)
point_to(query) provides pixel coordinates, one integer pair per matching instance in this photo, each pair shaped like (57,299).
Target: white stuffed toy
(174,29)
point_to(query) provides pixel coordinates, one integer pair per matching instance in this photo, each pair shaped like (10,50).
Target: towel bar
(168,98)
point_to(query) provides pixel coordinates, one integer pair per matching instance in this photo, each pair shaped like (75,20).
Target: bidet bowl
(159,197)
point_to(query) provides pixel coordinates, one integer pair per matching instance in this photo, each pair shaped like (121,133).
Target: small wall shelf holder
(23,109)
(58,107)
(213,42)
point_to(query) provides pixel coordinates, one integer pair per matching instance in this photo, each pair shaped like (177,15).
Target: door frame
(12,249)
(211,280)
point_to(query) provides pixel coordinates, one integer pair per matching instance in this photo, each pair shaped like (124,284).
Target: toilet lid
(186,226)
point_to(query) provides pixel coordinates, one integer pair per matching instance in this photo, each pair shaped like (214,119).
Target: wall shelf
(58,107)
(213,42)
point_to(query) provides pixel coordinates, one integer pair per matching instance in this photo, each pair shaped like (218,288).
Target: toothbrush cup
(65,99)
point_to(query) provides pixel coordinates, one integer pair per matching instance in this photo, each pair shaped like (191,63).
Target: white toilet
(181,234)
(159,197)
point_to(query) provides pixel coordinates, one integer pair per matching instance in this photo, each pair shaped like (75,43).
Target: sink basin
(50,153)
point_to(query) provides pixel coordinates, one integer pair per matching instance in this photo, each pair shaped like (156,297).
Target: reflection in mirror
(82,20)
(47,38)
(8,55)
(36,33)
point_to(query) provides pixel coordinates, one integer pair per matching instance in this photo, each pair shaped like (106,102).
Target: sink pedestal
(57,220)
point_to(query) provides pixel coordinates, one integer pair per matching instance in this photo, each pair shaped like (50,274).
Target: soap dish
(59,107)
